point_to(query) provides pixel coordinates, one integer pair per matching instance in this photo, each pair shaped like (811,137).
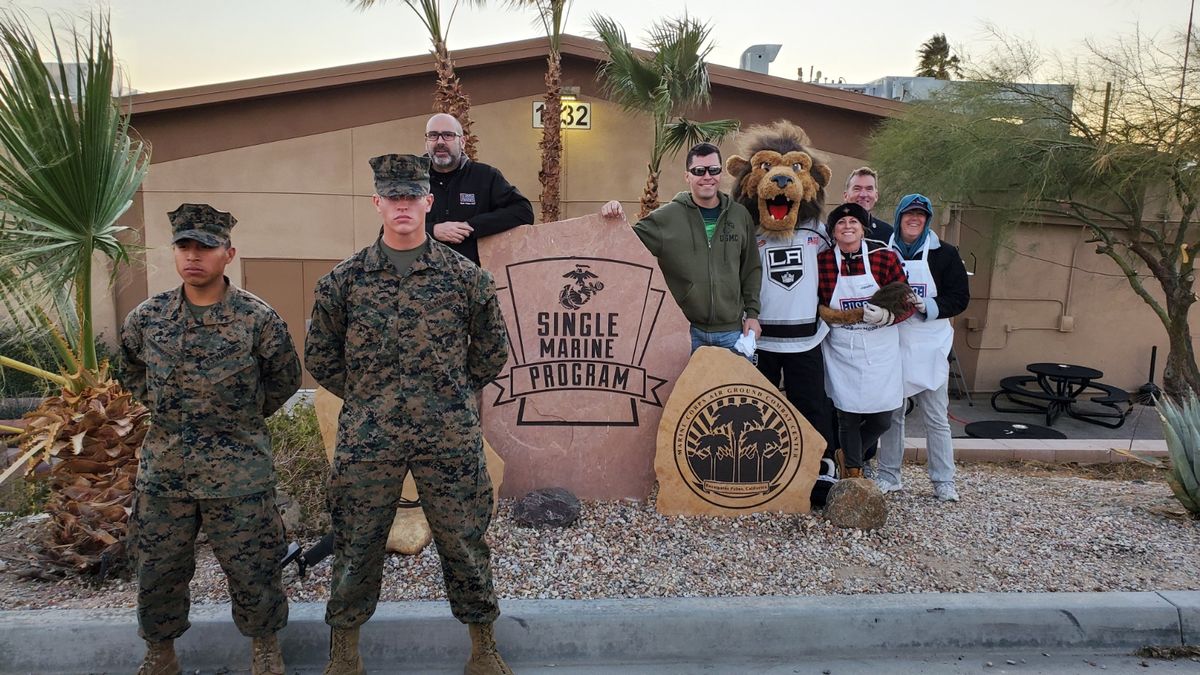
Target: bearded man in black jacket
(471,200)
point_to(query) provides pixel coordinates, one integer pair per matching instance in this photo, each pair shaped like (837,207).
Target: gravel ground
(1017,529)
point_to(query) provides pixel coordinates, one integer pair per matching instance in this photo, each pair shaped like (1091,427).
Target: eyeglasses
(444,135)
(701,170)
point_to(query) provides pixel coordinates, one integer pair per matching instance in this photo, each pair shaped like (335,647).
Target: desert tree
(1116,153)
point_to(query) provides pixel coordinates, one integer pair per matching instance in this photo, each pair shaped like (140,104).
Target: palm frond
(70,166)
(684,133)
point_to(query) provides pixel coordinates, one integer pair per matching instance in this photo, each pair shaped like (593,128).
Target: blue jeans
(725,338)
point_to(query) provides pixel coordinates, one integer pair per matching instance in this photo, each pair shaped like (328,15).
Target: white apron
(924,345)
(862,362)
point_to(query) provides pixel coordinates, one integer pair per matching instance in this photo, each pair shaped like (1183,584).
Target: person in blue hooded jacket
(940,290)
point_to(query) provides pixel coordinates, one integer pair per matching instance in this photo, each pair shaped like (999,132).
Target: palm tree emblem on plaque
(738,446)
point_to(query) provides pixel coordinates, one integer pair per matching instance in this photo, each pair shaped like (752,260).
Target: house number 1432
(575,114)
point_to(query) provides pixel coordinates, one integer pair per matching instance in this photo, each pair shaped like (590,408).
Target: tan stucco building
(287,155)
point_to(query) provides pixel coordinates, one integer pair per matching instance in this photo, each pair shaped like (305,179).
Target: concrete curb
(672,630)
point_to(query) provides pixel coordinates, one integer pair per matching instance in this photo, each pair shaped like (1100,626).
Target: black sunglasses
(701,170)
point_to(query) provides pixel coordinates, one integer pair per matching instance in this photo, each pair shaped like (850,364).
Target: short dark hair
(701,150)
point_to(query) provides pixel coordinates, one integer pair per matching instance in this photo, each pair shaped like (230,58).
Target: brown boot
(343,653)
(855,472)
(266,659)
(839,459)
(160,659)
(485,660)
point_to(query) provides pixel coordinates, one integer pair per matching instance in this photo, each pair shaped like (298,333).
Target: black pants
(860,430)
(803,375)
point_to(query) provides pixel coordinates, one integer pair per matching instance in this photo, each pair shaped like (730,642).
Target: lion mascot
(782,182)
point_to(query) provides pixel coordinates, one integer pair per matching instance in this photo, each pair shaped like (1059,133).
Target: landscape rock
(289,512)
(548,507)
(856,503)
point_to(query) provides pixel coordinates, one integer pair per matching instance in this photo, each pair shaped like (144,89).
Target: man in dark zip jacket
(471,200)
(705,245)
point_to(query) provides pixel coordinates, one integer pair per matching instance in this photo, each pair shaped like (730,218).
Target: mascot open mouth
(779,206)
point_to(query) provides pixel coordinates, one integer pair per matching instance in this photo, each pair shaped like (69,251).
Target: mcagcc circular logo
(738,446)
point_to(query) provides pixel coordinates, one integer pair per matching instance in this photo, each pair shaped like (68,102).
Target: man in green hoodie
(705,245)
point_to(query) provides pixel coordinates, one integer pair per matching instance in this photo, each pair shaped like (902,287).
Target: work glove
(918,302)
(877,316)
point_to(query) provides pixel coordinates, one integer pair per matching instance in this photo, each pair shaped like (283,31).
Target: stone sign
(730,443)
(596,344)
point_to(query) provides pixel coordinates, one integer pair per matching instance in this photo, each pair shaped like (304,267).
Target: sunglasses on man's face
(444,135)
(701,170)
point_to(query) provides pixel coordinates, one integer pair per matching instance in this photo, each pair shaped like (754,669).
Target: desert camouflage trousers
(456,496)
(246,534)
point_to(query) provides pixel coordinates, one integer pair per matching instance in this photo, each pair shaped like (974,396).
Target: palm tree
(552,14)
(68,171)
(936,59)
(737,416)
(449,96)
(764,441)
(672,78)
(707,447)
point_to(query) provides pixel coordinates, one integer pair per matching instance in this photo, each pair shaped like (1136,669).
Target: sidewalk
(639,631)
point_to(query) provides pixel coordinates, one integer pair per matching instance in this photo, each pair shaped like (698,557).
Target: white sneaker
(885,486)
(945,492)
(869,470)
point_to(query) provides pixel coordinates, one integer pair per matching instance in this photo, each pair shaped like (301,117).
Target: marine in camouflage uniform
(209,375)
(407,344)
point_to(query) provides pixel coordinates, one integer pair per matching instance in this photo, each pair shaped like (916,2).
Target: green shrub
(33,350)
(300,462)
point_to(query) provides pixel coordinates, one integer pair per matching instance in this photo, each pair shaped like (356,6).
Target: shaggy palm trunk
(449,96)
(650,193)
(550,174)
(91,442)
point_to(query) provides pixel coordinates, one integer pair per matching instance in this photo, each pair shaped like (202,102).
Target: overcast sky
(165,44)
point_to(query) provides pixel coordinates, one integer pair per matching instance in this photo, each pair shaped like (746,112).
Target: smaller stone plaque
(730,443)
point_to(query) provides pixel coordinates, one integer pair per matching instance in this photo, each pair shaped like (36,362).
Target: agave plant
(68,170)
(1181,425)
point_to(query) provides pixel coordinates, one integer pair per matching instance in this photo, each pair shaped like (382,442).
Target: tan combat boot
(855,472)
(485,660)
(343,653)
(266,659)
(160,659)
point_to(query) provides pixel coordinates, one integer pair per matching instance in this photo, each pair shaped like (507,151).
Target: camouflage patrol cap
(401,175)
(202,223)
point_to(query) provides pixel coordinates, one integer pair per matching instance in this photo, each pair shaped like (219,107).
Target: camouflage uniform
(206,459)
(407,355)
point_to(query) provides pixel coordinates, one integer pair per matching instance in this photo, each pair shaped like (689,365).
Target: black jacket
(478,195)
(879,230)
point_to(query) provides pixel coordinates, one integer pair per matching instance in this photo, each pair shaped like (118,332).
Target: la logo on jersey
(785,266)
